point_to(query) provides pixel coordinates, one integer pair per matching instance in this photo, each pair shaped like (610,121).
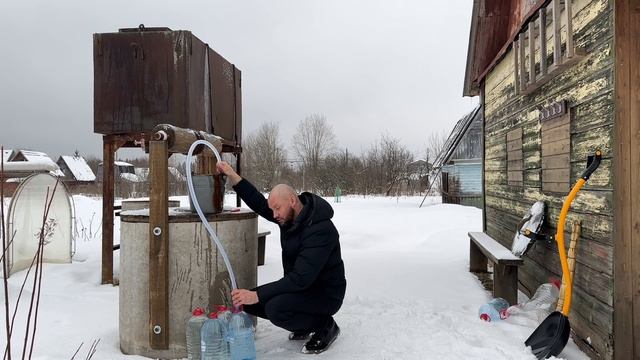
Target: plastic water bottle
(224,314)
(241,341)
(541,303)
(193,333)
(213,343)
(494,310)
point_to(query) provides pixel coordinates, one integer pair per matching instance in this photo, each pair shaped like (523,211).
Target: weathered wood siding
(588,89)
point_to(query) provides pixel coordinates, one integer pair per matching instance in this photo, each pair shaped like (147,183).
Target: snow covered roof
(79,168)
(42,164)
(6,155)
(30,155)
(176,173)
(130,177)
(455,137)
(118,163)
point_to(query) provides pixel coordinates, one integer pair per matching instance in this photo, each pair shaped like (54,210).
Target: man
(313,286)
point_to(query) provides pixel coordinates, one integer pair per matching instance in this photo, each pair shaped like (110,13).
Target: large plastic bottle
(224,314)
(494,310)
(213,344)
(193,333)
(241,337)
(541,304)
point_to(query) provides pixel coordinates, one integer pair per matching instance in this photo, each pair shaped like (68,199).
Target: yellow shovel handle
(561,249)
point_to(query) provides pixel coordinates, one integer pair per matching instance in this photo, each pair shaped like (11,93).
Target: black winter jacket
(310,247)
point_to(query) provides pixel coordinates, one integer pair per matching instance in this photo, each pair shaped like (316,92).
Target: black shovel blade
(550,337)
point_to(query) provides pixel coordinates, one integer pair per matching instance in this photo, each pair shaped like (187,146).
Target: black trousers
(299,312)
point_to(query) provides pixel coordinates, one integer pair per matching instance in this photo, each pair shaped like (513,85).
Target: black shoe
(322,339)
(299,335)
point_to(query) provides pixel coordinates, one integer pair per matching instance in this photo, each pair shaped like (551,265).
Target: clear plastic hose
(192,194)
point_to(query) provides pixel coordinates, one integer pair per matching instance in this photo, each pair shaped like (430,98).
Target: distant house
(36,162)
(121,171)
(460,162)
(7,155)
(76,169)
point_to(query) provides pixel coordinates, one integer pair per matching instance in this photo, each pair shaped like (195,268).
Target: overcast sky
(372,67)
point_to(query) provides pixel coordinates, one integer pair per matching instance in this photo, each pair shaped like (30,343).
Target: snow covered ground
(409,292)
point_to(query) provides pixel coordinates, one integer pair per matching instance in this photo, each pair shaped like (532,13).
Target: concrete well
(197,273)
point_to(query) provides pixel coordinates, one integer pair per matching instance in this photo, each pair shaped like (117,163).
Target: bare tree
(434,146)
(312,142)
(264,156)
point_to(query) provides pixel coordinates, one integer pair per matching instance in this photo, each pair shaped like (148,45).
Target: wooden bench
(505,265)
(262,237)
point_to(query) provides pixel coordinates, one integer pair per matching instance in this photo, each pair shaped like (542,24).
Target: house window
(555,133)
(537,59)
(514,157)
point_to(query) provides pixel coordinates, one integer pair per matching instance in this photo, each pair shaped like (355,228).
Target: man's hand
(225,168)
(243,297)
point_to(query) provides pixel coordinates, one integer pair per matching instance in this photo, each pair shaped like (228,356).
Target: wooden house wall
(588,89)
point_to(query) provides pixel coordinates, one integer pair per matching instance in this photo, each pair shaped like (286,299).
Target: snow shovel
(551,336)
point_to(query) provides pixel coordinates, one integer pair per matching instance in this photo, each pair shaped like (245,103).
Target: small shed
(460,162)
(558,79)
(76,169)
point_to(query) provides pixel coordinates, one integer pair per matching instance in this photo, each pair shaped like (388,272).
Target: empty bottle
(541,304)
(213,344)
(494,310)
(193,333)
(241,337)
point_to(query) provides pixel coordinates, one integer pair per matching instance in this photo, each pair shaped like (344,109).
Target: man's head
(284,202)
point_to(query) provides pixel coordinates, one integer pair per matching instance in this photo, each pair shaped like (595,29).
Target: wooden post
(557,41)
(108,183)
(532,53)
(239,172)
(542,23)
(516,69)
(523,78)
(477,260)
(569,18)
(505,282)
(158,246)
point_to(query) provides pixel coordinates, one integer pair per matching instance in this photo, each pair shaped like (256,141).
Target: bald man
(312,289)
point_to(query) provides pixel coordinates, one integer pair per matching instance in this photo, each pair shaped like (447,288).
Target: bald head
(283,191)
(284,203)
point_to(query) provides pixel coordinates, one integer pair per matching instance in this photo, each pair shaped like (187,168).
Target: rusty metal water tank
(149,76)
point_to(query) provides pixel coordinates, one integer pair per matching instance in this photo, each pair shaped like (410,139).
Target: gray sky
(372,67)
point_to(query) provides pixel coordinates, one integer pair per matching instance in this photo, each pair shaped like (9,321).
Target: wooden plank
(515,165)
(493,250)
(555,122)
(514,155)
(514,134)
(556,187)
(542,37)
(556,147)
(108,184)
(158,246)
(556,175)
(515,144)
(523,77)
(532,52)
(634,115)
(505,282)
(556,134)
(557,41)
(568,19)
(516,71)
(560,161)
(477,260)
(514,176)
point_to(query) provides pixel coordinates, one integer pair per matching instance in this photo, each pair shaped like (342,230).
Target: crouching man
(312,289)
